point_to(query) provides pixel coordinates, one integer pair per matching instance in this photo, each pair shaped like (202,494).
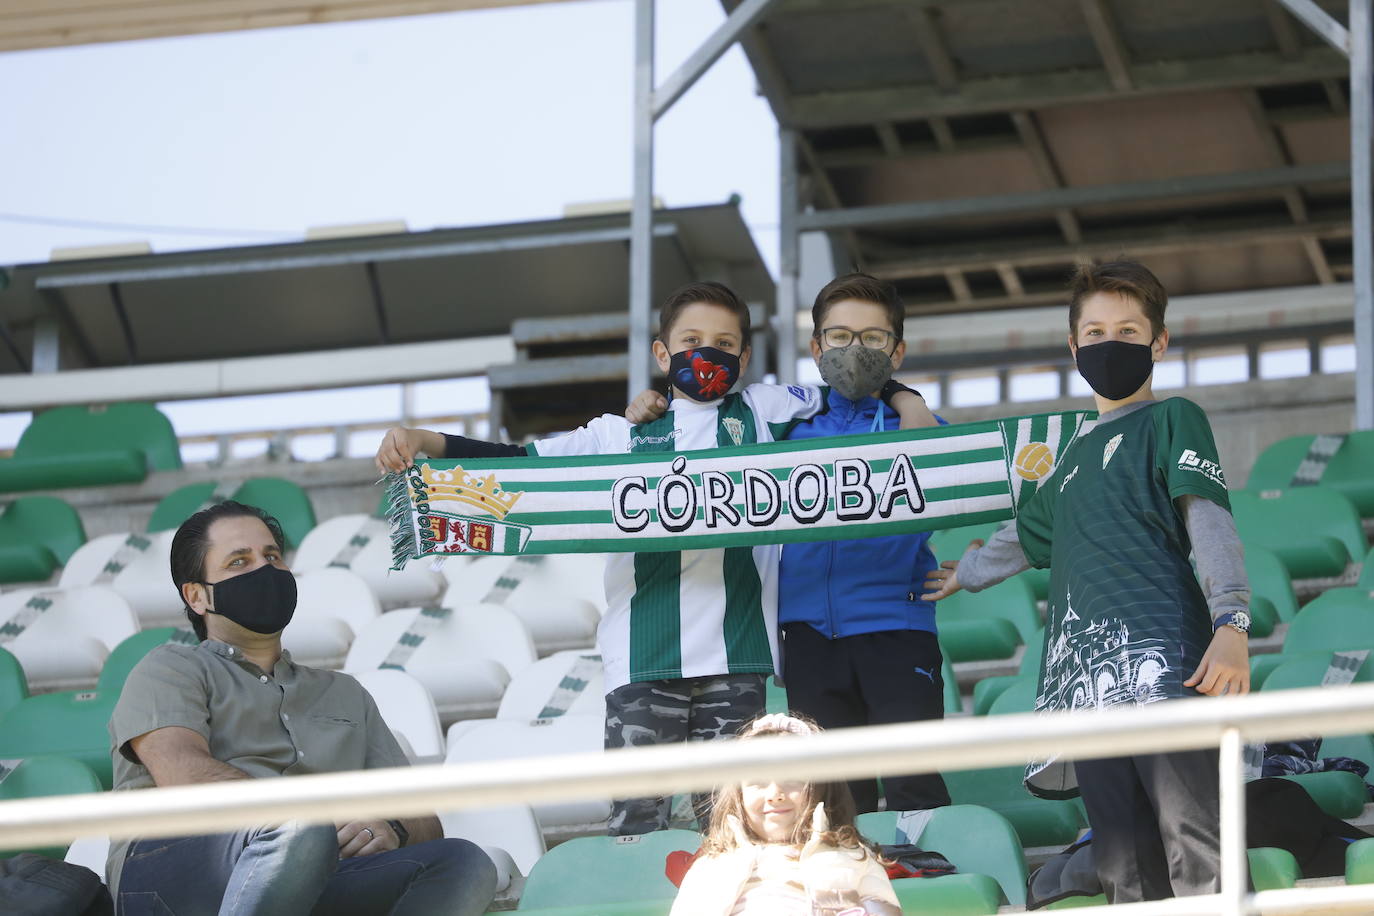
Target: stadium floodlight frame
(942,745)
(650,104)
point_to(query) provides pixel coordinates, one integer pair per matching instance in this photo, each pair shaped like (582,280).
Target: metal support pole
(641,209)
(1235,865)
(1360,116)
(789,256)
(46,346)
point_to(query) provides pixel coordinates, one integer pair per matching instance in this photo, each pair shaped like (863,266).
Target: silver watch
(1240,621)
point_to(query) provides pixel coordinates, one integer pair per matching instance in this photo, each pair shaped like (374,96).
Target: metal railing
(956,744)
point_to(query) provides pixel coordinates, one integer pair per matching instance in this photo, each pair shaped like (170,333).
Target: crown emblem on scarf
(482,493)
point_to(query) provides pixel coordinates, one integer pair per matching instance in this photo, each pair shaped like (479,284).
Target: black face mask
(263,600)
(1115,369)
(703,373)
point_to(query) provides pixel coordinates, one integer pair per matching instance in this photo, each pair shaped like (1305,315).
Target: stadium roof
(26,24)
(974,151)
(409,287)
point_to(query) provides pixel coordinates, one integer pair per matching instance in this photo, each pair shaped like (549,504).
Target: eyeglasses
(873,338)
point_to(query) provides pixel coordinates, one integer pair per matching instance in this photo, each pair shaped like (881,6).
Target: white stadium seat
(513,829)
(466,660)
(145,582)
(408,710)
(416,584)
(332,607)
(65,645)
(559,597)
(90,851)
(479,740)
(532,691)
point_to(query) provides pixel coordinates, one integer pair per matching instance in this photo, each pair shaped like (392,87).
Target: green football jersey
(1127,620)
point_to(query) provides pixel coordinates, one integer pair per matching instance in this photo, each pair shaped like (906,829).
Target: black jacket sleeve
(462,447)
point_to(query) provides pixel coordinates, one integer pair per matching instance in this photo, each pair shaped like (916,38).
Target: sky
(442,120)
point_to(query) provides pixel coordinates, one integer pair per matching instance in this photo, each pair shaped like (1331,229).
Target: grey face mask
(856,371)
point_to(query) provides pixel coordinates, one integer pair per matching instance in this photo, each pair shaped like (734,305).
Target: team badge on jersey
(1110,449)
(735,427)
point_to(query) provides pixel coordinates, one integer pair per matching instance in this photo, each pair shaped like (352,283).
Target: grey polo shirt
(292,721)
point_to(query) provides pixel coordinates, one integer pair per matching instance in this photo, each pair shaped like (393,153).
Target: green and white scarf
(810,490)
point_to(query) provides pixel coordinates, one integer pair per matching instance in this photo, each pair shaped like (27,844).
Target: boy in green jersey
(1129,622)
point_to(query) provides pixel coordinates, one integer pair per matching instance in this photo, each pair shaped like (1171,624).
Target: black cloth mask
(1115,369)
(703,373)
(263,600)
(855,371)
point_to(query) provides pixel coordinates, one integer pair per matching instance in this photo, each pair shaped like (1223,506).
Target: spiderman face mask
(703,373)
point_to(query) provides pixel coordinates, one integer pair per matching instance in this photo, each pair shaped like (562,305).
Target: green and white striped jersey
(691,613)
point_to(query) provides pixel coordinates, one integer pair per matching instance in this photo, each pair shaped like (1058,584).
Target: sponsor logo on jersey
(637,441)
(1111,448)
(797,391)
(735,427)
(1067,477)
(1192,461)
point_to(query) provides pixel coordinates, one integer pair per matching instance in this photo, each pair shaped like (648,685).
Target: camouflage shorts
(683,709)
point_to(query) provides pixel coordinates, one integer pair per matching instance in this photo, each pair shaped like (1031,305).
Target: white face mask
(855,371)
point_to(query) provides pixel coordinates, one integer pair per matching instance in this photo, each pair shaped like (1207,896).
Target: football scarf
(774,493)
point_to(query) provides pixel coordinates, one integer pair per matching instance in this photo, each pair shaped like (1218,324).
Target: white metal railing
(956,744)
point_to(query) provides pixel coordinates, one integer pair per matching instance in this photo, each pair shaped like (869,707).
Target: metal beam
(1068,87)
(789,256)
(642,202)
(1321,22)
(825,189)
(1055,199)
(1028,129)
(1281,25)
(374,286)
(1361,115)
(740,20)
(130,345)
(1107,38)
(942,65)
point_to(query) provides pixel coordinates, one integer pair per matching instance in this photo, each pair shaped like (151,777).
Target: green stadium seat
(1359,862)
(987,690)
(949,895)
(1339,793)
(596,871)
(1012,600)
(131,651)
(37,534)
(954,704)
(68,724)
(1261,666)
(1308,669)
(1269,578)
(1367,571)
(1337,620)
(282,499)
(950,543)
(91,446)
(975,839)
(1330,527)
(978,640)
(775,697)
(1348,472)
(13,686)
(1263,616)
(42,776)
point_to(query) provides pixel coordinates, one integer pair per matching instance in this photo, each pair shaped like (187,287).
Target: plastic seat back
(595,870)
(1348,470)
(64,431)
(1334,621)
(41,776)
(13,686)
(44,520)
(563,683)
(407,708)
(1328,525)
(979,841)
(131,651)
(1269,578)
(1308,670)
(284,500)
(68,724)
(1012,600)
(362,544)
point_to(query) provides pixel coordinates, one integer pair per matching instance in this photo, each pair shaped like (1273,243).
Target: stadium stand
(41,775)
(465,656)
(1012,600)
(91,446)
(568,682)
(332,606)
(37,535)
(362,544)
(64,635)
(1336,620)
(285,500)
(135,566)
(408,710)
(1346,470)
(130,652)
(988,689)
(513,830)
(1315,532)
(67,724)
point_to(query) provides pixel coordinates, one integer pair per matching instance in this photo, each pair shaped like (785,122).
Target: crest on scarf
(735,427)
(1110,449)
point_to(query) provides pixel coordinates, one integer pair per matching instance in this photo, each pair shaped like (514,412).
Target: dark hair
(710,293)
(864,288)
(1123,276)
(192,542)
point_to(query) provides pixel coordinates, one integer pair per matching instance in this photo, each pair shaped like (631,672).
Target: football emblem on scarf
(1034,461)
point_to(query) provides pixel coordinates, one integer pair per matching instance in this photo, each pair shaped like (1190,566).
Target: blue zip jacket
(865,585)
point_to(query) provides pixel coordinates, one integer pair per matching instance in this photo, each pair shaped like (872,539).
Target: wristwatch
(402,834)
(1236,620)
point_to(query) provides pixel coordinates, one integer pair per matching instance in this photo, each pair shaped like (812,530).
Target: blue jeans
(293,869)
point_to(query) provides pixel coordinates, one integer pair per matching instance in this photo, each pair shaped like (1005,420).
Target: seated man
(237,707)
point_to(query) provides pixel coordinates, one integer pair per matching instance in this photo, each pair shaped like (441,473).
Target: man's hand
(944,581)
(400,445)
(365,838)
(646,407)
(912,411)
(1225,668)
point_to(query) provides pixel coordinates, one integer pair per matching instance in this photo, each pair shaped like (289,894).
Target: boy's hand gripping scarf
(811,490)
